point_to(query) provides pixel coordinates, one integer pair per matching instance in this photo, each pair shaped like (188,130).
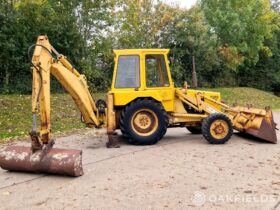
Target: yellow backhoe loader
(142,103)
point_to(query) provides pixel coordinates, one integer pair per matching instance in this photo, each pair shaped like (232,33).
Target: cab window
(156,72)
(128,75)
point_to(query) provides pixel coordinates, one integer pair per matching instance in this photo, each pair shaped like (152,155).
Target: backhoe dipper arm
(43,65)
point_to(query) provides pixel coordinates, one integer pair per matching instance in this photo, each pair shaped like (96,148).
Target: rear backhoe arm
(44,65)
(42,157)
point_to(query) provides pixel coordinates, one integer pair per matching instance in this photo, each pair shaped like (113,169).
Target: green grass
(16,118)
(244,96)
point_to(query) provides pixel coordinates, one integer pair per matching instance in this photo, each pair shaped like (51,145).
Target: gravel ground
(180,172)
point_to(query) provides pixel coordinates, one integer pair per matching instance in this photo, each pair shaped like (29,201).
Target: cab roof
(140,51)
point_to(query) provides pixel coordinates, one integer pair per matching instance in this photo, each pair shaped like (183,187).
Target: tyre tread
(145,102)
(206,128)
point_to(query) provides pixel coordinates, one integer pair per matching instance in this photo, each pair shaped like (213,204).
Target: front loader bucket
(53,161)
(266,130)
(256,122)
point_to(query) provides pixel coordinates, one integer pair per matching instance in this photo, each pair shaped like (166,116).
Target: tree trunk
(6,81)
(194,77)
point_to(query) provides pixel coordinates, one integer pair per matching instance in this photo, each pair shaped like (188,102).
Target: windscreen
(128,75)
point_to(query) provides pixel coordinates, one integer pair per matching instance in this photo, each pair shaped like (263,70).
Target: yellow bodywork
(123,96)
(174,100)
(164,95)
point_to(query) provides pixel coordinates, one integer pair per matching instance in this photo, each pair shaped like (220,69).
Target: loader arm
(256,122)
(44,65)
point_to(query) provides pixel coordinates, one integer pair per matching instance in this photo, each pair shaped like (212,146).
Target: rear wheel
(217,128)
(143,122)
(194,129)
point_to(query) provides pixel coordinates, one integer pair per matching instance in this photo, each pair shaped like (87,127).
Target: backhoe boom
(45,65)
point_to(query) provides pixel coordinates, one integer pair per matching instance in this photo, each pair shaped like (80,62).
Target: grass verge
(244,96)
(16,118)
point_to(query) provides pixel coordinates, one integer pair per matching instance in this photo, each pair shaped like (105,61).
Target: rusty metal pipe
(53,161)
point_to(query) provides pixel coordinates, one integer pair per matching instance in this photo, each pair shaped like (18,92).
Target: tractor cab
(141,69)
(142,73)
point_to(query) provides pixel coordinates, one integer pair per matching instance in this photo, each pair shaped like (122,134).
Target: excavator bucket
(255,122)
(52,161)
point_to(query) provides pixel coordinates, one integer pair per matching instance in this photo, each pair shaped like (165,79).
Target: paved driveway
(182,171)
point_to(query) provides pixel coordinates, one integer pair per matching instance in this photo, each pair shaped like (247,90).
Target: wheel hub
(144,122)
(219,129)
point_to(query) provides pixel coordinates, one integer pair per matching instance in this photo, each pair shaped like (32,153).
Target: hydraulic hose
(38,70)
(40,79)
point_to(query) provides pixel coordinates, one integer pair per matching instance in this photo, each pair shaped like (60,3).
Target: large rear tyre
(143,122)
(217,128)
(194,129)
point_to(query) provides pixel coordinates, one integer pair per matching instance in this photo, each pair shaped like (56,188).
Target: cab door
(158,78)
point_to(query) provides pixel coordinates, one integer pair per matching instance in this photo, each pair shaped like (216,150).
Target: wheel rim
(144,122)
(219,129)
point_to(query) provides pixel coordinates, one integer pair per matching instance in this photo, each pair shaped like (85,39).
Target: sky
(183,3)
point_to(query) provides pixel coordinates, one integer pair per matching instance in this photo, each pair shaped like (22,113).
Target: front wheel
(217,128)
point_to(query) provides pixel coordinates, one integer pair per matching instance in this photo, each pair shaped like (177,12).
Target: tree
(187,34)
(242,27)
(266,73)
(67,24)
(7,44)
(22,21)
(95,20)
(137,23)
(222,35)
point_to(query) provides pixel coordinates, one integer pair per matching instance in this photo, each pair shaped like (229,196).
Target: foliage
(242,27)
(57,19)
(188,35)
(221,35)
(265,74)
